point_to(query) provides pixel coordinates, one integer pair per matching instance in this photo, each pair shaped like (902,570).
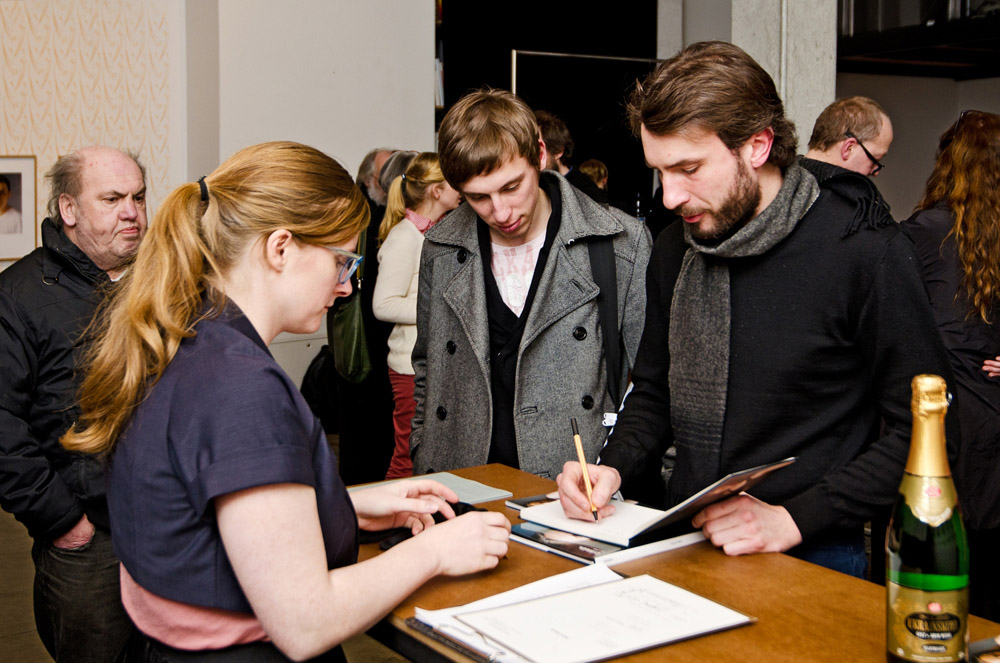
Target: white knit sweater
(395,295)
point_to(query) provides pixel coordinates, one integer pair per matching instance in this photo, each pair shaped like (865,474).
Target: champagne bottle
(927,553)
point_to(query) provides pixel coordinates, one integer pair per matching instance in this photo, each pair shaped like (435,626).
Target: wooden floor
(19,642)
(18,639)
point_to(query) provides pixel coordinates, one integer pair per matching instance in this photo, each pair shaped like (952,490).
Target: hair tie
(402,183)
(204,189)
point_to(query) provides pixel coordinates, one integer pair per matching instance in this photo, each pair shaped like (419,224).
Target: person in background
(559,150)
(97,219)
(956,231)
(770,331)
(364,409)
(395,166)
(417,200)
(853,133)
(368,173)
(236,536)
(597,172)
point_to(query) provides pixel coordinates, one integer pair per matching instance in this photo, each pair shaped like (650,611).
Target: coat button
(587,402)
(579,333)
(462,255)
(451,347)
(442,413)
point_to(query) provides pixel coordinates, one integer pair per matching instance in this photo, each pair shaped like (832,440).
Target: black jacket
(968,340)
(47,300)
(828,329)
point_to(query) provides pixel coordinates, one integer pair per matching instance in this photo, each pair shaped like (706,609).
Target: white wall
(343,77)
(920,109)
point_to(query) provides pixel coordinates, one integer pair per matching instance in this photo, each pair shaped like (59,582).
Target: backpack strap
(602,264)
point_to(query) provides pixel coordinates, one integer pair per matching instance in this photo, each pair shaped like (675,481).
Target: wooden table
(805,612)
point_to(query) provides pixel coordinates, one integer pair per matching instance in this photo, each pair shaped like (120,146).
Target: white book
(631,520)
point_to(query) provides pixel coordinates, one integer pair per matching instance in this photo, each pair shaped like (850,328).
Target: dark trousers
(147,650)
(846,554)
(78,605)
(984,576)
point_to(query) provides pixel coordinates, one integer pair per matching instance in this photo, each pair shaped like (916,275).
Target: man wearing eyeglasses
(853,133)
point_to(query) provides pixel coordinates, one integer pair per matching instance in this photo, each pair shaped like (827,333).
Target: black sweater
(827,332)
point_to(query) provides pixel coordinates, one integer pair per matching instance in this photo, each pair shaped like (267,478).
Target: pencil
(583,465)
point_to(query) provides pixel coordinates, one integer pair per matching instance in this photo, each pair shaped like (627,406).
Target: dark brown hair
(556,135)
(714,86)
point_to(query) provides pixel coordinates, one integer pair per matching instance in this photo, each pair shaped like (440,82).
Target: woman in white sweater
(417,200)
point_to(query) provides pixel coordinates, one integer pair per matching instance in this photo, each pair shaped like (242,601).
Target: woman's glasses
(348,262)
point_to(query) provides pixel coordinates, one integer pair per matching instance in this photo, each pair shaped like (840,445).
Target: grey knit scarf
(700,323)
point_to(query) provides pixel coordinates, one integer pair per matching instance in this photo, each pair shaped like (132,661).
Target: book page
(627,521)
(604,621)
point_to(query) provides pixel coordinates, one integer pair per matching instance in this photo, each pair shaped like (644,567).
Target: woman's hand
(410,504)
(992,367)
(473,542)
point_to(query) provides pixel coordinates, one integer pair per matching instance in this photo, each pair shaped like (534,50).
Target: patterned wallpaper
(84,72)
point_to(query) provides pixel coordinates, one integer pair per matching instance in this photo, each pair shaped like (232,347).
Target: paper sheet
(445,622)
(603,621)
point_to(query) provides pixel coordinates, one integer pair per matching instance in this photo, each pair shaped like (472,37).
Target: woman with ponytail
(956,231)
(237,539)
(417,200)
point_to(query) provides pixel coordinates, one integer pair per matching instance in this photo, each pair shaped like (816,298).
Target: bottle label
(927,626)
(931,499)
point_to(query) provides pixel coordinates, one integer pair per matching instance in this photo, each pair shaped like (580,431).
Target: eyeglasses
(878,164)
(348,262)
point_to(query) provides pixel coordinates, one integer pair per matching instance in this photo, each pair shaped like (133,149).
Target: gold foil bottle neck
(928,455)
(930,395)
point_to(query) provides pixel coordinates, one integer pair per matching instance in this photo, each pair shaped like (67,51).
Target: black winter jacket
(47,300)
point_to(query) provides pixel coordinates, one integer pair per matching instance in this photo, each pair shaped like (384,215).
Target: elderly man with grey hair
(97,218)
(368,174)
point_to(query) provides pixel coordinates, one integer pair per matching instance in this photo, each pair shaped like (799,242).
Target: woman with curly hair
(956,230)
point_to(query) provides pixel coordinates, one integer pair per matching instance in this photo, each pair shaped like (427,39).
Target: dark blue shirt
(223,417)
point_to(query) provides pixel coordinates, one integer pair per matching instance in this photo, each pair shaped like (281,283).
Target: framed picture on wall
(18,225)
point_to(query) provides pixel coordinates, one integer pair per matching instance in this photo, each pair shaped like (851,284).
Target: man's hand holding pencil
(605,482)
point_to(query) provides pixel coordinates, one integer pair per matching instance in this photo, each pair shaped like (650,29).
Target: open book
(632,520)
(589,614)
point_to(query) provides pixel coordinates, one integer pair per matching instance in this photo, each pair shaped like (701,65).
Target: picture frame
(18,219)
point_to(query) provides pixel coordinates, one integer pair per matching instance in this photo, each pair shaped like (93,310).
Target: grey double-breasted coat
(561,371)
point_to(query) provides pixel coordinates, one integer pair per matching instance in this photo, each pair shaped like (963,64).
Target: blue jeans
(846,555)
(78,605)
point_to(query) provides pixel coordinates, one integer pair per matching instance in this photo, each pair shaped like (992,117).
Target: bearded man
(770,331)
